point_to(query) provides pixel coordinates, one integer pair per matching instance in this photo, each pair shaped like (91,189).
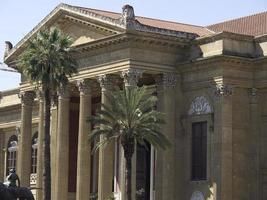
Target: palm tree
(47,61)
(130,118)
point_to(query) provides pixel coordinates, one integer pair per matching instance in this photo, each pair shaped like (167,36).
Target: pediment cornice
(134,38)
(105,23)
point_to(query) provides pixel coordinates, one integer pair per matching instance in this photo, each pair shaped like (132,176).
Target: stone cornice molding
(223,35)
(261,38)
(131,76)
(27,97)
(245,63)
(133,37)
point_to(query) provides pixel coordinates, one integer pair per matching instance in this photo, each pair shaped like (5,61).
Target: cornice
(15,123)
(9,92)
(245,63)
(222,35)
(133,36)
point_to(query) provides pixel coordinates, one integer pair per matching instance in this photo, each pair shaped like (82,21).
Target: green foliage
(129,115)
(47,59)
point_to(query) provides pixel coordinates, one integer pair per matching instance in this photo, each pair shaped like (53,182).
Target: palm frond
(129,114)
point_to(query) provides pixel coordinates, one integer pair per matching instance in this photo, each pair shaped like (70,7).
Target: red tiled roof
(199,30)
(254,25)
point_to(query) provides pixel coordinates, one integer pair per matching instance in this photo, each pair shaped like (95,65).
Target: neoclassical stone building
(211,83)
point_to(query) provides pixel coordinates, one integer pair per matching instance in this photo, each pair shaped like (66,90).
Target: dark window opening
(199,151)
(34,153)
(12,148)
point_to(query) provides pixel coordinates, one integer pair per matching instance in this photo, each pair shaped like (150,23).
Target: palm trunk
(128,147)
(47,168)
(129,178)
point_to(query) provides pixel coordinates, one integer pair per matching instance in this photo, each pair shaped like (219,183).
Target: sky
(18,17)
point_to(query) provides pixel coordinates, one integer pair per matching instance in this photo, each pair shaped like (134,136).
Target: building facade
(210,83)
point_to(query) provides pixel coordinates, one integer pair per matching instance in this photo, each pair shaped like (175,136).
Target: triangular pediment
(86,25)
(83,27)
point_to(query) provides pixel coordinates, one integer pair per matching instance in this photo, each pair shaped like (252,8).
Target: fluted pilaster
(166,166)
(223,148)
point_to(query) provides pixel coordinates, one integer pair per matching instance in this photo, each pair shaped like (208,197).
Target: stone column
(107,154)
(84,144)
(2,155)
(53,143)
(223,142)
(62,146)
(165,163)
(130,79)
(24,151)
(40,161)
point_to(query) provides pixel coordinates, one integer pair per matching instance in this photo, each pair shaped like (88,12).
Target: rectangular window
(199,151)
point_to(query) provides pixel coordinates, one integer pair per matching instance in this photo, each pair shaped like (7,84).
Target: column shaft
(62,147)
(53,145)
(40,161)
(107,154)
(84,145)
(2,156)
(24,151)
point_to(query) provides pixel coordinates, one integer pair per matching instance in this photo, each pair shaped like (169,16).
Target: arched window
(34,153)
(12,148)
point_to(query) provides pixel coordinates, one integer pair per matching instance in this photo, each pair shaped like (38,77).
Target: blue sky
(18,17)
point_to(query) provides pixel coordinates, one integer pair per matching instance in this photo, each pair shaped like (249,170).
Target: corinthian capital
(223,90)
(167,79)
(27,97)
(253,94)
(107,81)
(131,76)
(63,92)
(85,86)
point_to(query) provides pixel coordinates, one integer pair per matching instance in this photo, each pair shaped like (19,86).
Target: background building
(211,84)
